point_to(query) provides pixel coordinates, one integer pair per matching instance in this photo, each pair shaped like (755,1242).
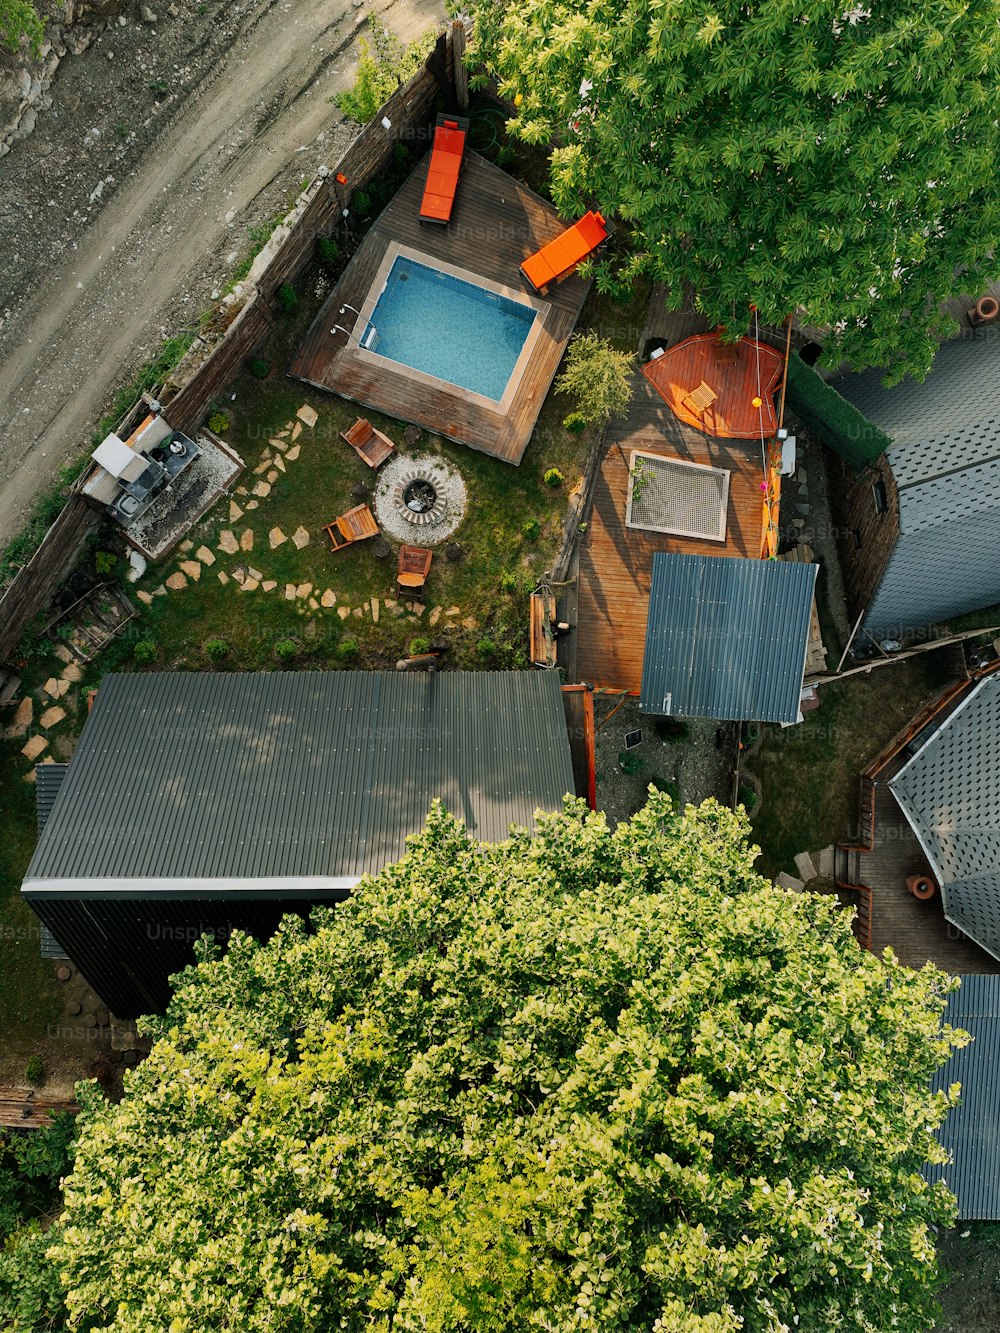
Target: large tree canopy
(590,1080)
(833,160)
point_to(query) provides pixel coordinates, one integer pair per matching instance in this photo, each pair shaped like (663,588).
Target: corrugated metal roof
(298,776)
(726,637)
(48,781)
(950,793)
(969,1132)
(945,458)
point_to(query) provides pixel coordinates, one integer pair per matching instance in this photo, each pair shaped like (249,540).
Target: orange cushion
(563,254)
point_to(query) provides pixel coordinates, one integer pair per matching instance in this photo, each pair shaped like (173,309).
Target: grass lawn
(810,773)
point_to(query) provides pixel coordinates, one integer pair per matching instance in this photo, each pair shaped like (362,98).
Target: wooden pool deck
(754,370)
(616,562)
(497,222)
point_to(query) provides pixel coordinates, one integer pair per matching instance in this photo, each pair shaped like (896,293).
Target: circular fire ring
(420,501)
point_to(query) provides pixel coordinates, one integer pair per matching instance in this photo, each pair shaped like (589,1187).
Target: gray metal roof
(726,637)
(945,458)
(970,1130)
(950,793)
(299,782)
(48,781)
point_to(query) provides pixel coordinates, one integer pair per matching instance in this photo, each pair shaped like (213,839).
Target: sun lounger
(560,257)
(370,444)
(443,169)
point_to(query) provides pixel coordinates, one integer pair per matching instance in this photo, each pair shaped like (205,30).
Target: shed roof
(969,1131)
(727,638)
(950,793)
(291,783)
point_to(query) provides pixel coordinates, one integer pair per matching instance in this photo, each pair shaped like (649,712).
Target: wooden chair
(699,400)
(543,629)
(357,525)
(414,566)
(369,443)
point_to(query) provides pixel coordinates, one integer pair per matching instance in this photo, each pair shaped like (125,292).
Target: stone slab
(300,537)
(223,577)
(275,538)
(33,748)
(789,882)
(804,865)
(206,556)
(269,585)
(293,453)
(246,539)
(192,568)
(329,598)
(824,863)
(228,542)
(25,708)
(307,414)
(343,612)
(176,581)
(262,489)
(63,653)
(52,717)
(235,512)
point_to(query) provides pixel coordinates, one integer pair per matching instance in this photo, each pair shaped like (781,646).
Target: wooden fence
(410,114)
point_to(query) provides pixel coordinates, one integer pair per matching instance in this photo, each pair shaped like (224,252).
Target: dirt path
(131,203)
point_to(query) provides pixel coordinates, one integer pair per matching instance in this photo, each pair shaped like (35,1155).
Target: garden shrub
(348,649)
(144,651)
(419,646)
(575,423)
(531,529)
(259,368)
(329,250)
(383,64)
(553,477)
(105,561)
(287,298)
(361,201)
(218,423)
(508,581)
(34,1071)
(598,376)
(486,647)
(748,797)
(286,649)
(216,649)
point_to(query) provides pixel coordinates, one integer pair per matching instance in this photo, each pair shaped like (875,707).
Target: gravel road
(129,206)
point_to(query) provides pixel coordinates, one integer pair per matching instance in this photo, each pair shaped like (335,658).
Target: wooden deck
(916,931)
(496,223)
(616,562)
(697,360)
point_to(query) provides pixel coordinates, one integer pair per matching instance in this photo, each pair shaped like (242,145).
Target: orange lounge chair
(443,169)
(369,443)
(559,258)
(357,525)
(414,566)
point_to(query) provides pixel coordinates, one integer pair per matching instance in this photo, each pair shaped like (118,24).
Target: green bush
(383,64)
(576,423)
(34,1070)
(748,797)
(486,647)
(419,646)
(531,529)
(287,298)
(837,422)
(598,376)
(629,762)
(361,202)
(216,649)
(508,581)
(144,651)
(259,368)
(553,477)
(104,562)
(348,649)
(669,788)
(329,250)
(286,649)
(218,423)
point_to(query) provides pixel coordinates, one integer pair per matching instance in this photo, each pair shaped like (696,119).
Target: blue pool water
(439,324)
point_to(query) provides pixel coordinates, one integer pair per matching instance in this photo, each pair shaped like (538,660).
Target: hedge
(837,423)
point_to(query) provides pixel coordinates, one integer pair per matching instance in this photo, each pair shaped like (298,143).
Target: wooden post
(459,73)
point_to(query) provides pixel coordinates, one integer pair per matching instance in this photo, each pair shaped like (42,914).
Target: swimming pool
(441,325)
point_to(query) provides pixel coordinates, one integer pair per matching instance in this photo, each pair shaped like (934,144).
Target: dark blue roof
(726,637)
(970,1130)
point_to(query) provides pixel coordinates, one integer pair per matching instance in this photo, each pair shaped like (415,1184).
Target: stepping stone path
(329,598)
(235,512)
(279,464)
(241,490)
(63,653)
(262,466)
(52,717)
(289,592)
(254,573)
(263,488)
(308,415)
(145,597)
(223,577)
(300,537)
(469,622)
(186,546)
(453,611)
(275,537)
(34,747)
(357,613)
(54,688)
(252,504)
(313,604)
(343,612)
(205,555)
(303,590)
(434,616)
(192,569)
(294,453)
(375,609)
(268,585)
(160,591)
(71,672)
(279,444)
(176,581)
(271,477)
(250,584)
(246,540)
(228,542)
(296,431)
(22,718)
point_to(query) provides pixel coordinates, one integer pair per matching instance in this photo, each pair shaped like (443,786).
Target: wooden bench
(699,400)
(369,443)
(357,525)
(543,634)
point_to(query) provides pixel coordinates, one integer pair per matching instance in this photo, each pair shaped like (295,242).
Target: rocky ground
(152,158)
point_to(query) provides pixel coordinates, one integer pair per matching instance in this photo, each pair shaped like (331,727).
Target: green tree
(31,1165)
(815,159)
(587,1079)
(597,376)
(20,19)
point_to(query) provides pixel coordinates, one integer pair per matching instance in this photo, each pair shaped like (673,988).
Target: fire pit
(419,500)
